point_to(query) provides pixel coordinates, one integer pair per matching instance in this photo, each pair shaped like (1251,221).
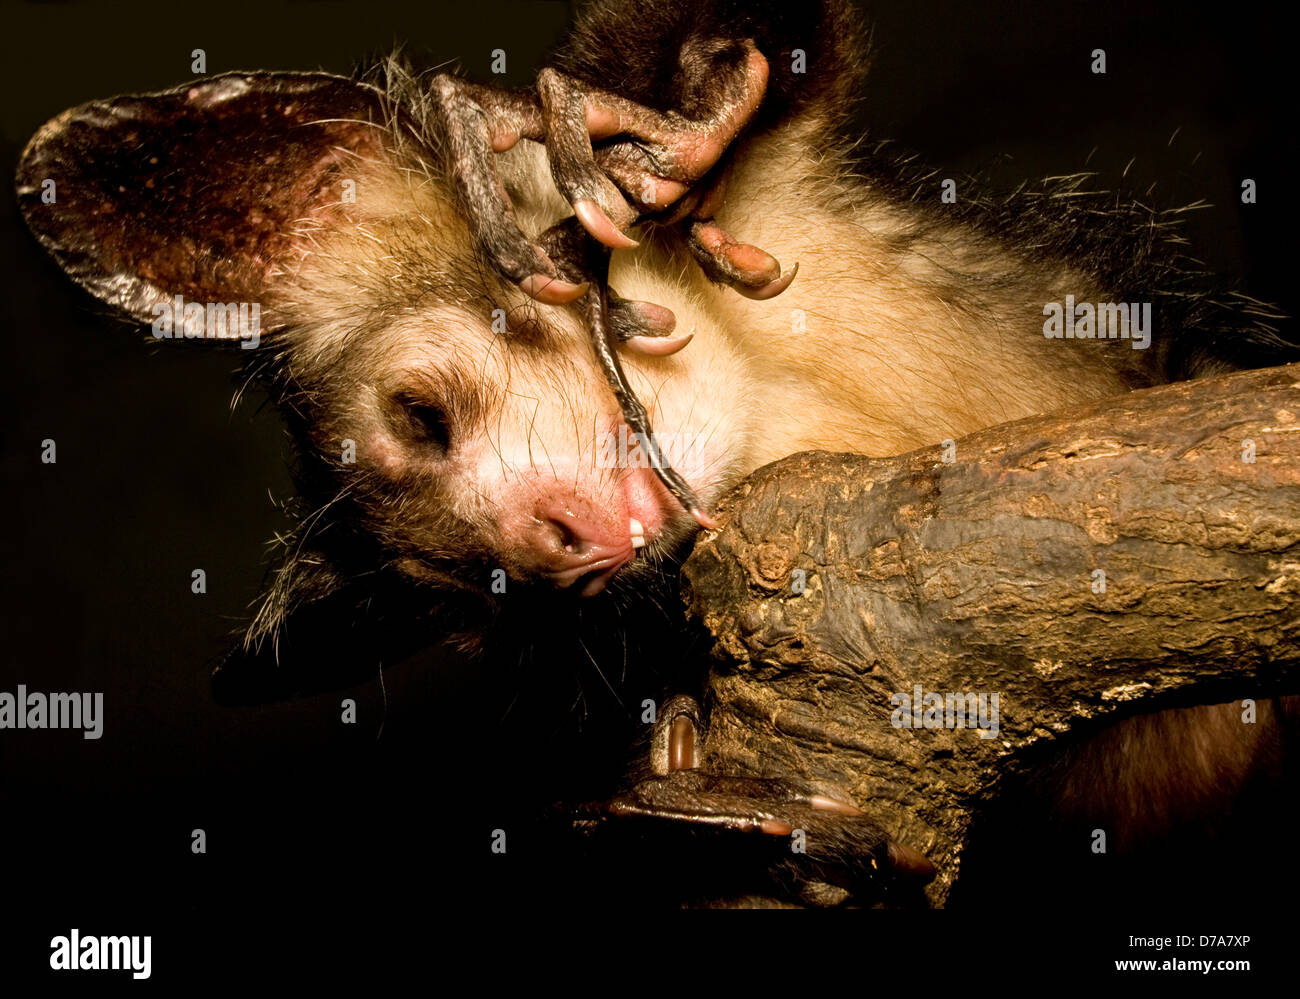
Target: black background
(344,829)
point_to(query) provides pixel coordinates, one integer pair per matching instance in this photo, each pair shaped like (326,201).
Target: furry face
(468,427)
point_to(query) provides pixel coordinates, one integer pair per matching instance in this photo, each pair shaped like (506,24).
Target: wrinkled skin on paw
(792,844)
(795,844)
(618,164)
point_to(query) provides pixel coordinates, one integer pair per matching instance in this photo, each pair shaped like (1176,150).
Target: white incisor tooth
(637,532)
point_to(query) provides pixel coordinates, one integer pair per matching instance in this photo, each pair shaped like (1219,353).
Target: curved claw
(630,319)
(595,198)
(727,259)
(909,862)
(753,272)
(658,346)
(552,291)
(705,519)
(771,289)
(596,222)
(827,804)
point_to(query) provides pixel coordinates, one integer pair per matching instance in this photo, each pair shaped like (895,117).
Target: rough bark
(977,574)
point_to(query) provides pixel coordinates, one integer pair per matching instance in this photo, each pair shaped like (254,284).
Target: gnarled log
(1140,552)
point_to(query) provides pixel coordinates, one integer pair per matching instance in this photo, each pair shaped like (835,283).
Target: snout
(571,548)
(576,530)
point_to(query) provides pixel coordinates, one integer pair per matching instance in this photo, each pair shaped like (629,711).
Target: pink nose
(568,548)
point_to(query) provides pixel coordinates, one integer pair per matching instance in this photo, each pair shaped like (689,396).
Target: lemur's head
(454,430)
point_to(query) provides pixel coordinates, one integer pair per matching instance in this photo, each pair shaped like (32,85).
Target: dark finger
(490,216)
(629,319)
(511,114)
(595,199)
(753,272)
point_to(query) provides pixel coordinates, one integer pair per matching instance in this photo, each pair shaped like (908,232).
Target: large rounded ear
(199,192)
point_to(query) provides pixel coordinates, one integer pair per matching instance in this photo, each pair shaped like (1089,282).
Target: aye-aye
(396,254)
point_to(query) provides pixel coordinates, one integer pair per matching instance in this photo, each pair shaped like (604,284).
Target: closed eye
(423,423)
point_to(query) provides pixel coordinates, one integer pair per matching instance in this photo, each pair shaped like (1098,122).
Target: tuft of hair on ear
(318,629)
(304,578)
(405,96)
